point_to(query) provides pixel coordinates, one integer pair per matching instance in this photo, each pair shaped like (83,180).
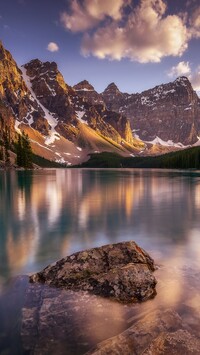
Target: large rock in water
(121,271)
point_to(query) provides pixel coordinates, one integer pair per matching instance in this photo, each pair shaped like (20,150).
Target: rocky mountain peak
(34,63)
(184,83)
(5,54)
(35,67)
(45,78)
(83,86)
(2,51)
(183,80)
(12,86)
(112,97)
(87,92)
(112,89)
(154,112)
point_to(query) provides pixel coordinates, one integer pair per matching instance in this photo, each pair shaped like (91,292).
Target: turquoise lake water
(48,214)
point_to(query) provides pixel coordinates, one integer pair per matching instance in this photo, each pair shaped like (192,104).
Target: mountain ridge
(161,111)
(61,125)
(66,123)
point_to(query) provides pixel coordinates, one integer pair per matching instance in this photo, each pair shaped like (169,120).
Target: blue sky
(135,43)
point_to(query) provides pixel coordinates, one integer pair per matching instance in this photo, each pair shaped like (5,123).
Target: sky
(137,44)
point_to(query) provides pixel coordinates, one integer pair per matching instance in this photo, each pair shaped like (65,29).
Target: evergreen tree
(19,159)
(27,152)
(7,156)
(24,151)
(6,139)
(1,152)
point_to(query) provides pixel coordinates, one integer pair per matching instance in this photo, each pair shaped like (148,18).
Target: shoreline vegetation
(185,159)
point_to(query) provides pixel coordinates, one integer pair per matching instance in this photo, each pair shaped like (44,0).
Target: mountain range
(66,123)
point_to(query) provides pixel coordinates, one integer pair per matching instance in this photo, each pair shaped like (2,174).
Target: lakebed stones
(120,271)
(159,333)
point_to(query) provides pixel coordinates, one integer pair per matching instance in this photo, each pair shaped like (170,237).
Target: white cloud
(182,68)
(147,35)
(143,33)
(87,14)
(52,47)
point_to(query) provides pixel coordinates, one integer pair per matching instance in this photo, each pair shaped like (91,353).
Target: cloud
(52,47)
(195,23)
(117,29)
(147,36)
(87,14)
(182,68)
(190,3)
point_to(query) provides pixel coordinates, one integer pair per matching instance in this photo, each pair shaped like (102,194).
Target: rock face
(170,111)
(70,107)
(121,271)
(113,97)
(15,98)
(59,120)
(85,90)
(50,89)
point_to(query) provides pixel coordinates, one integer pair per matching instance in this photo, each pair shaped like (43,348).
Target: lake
(48,214)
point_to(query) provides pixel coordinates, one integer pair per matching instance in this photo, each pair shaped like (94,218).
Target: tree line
(20,145)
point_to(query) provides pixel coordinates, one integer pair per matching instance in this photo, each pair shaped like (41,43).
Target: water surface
(48,214)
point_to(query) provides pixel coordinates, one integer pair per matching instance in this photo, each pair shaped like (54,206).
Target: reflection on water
(45,215)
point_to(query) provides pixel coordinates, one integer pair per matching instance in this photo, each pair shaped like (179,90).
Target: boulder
(120,271)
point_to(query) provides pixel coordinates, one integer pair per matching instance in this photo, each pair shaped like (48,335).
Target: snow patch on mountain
(49,117)
(40,145)
(197,144)
(168,143)
(79,115)
(83,89)
(135,135)
(52,91)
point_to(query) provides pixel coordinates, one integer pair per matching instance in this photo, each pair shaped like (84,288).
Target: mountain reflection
(45,215)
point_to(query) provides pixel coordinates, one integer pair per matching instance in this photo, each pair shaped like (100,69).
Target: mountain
(168,112)
(85,90)
(65,123)
(60,123)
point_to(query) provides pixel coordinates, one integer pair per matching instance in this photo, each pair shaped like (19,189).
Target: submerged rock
(179,342)
(159,333)
(120,271)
